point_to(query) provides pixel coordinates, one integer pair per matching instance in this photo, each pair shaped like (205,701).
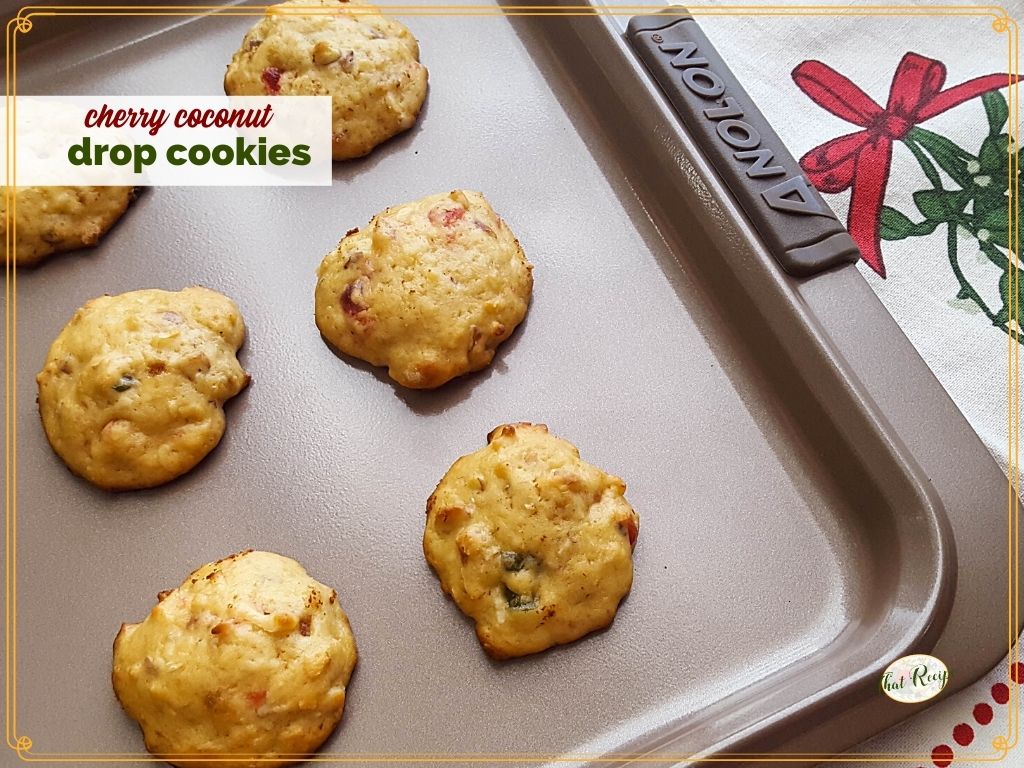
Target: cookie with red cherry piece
(245,664)
(530,541)
(366,62)
(429,289)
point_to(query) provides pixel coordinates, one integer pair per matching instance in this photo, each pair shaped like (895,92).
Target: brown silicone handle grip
(798,228)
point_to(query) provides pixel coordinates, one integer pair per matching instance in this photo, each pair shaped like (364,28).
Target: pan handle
(796,225)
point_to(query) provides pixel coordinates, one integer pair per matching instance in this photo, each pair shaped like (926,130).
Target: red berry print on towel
(1001,693)
(983,714)
(942,756)
(963,733)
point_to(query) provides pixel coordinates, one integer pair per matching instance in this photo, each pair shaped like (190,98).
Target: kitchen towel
(901,120)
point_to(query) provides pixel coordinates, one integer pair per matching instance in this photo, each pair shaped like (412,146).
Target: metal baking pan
(812,504)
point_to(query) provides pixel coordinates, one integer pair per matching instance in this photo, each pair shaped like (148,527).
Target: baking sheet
(755,555)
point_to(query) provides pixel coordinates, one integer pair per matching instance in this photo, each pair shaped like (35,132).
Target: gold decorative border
(22,24)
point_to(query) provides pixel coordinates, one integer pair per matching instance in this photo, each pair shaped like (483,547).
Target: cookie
(53,219)
(532,543)
(247,659)
(429,289)
(367,63)
(133,388)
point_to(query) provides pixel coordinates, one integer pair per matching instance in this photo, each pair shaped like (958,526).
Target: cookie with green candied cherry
(530,541)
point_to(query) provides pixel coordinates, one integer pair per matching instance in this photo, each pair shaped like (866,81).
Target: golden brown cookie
(248,658)
(429,289)
(53,219)
(367,63)
(532,543)
(133,388)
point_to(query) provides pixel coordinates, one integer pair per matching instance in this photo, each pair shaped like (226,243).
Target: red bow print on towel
(861,160)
